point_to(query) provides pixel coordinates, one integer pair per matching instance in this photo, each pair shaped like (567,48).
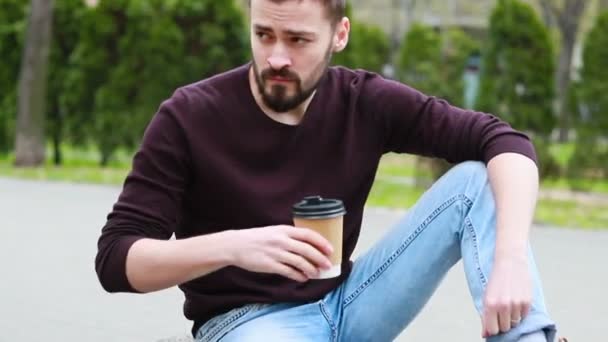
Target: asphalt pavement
(49,290)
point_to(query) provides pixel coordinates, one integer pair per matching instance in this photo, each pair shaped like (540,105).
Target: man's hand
(508,296)
(295,253)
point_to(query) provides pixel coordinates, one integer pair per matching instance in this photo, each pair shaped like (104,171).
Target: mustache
(283,73)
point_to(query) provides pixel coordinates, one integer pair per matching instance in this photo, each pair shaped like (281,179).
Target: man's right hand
(295,253)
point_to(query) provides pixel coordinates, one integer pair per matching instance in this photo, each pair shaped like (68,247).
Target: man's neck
(292,117)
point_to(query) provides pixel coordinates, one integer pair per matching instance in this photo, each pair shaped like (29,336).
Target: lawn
(394,187)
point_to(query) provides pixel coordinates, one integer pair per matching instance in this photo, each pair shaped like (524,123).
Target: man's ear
(341,35)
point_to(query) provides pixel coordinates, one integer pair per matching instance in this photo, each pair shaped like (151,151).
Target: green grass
(81,165)
(562,213)
(399,166)
(79,174)
(388,194)
(589,185)
(572,214)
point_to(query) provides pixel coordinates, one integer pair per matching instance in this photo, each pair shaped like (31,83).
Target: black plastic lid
(318,207)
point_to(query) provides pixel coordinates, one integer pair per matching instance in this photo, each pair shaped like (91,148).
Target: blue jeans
(391,283)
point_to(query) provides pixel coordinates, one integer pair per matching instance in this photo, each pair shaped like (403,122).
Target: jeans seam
(405,244)
(226,323)
(471,230)
(325,313)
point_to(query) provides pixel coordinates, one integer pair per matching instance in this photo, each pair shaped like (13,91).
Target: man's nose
(278,61)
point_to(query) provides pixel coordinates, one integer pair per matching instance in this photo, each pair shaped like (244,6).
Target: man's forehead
(294,12)
(288,16)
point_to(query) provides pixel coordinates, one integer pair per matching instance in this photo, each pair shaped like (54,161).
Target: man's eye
(299,40)
(263,35)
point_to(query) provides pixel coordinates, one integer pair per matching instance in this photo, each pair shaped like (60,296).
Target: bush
(434,63)
(419,59)
(588,97)
(517,81)
(132,54)
(12,26)
(368,47)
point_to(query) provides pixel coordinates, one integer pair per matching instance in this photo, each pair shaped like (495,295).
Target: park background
(80,79)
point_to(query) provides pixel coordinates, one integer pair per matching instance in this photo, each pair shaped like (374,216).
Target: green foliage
(12,26)
(419,59)
(518,69)
(434,63)
(588,97)
(368,47)
(67,20)
(111,66)
(133,53)
(457,49)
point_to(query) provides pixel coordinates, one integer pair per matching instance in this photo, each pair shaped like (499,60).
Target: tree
(434,63)
(368,47)
(419,59)
(66,33)
(398,7)
(13,18)
(33,85)
(590,158)
(133,53)
(518,69)
(457,48)
(567,14)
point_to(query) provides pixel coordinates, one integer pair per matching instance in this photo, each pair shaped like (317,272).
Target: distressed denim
(390,283)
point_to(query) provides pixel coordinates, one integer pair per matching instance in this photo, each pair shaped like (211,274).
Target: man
(224,159)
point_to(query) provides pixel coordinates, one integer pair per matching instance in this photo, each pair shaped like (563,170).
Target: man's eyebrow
(259,27)
(263,28)
(300,33)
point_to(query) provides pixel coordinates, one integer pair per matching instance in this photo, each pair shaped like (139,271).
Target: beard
(276,97)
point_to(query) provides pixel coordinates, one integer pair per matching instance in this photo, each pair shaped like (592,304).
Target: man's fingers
(311,237)
(525,309)
(290,272)
(299,263)
(310,253)
(504,318)
(519,312)
(490,322)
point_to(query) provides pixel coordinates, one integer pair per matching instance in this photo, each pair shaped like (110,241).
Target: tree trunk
(57,132)
(547,14)
(563,82)
(568,19)
(568,22)
(106,154)
(29,147)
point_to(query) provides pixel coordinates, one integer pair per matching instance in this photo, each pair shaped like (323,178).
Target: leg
(261,323)
(391,283)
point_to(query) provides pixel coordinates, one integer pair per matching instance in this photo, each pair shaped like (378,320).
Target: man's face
(291,43)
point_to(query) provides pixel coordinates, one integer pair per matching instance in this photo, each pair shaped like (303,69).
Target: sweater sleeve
(149,205)
(412,122)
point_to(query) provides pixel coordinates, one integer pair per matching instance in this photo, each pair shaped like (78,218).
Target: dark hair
(336,9)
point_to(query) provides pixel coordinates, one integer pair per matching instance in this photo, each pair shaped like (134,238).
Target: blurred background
(80,79)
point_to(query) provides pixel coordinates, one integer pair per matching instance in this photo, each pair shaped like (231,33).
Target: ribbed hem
(113,271)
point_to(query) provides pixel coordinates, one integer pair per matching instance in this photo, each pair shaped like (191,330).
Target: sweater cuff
(512,144)
(112,265)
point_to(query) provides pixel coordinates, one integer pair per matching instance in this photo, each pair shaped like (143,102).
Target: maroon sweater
(211,160)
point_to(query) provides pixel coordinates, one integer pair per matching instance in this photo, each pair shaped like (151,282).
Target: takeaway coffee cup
(325,216)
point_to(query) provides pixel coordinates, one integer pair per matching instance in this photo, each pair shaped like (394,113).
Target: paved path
(49,291)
